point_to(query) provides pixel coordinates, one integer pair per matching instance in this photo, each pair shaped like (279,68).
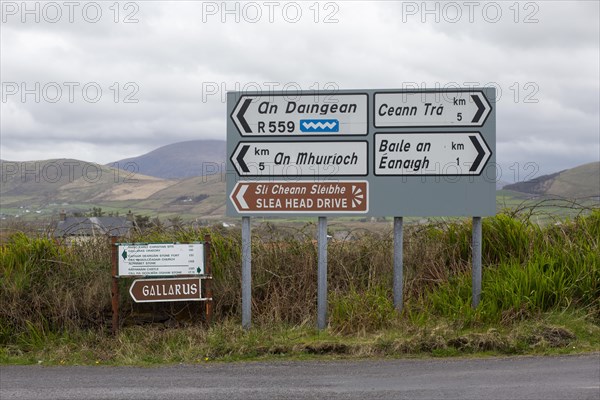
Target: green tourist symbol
(124,254)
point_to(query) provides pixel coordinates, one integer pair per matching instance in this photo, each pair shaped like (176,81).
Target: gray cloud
(177,62)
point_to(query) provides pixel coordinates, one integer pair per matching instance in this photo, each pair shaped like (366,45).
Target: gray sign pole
(398,263)
(246,273)
(476,273)
(322,275)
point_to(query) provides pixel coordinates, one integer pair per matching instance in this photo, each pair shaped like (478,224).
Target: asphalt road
(571,377)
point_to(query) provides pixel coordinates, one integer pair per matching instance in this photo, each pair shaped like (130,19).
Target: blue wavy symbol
(319,125)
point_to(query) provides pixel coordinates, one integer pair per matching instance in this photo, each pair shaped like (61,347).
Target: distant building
(90,227)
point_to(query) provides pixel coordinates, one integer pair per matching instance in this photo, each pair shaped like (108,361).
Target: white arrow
(240,197)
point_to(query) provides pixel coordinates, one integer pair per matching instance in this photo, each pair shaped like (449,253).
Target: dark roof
(93,226)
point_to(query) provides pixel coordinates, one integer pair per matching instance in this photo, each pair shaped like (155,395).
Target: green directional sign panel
(391,152)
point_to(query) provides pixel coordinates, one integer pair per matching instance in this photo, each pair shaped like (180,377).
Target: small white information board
(160,259)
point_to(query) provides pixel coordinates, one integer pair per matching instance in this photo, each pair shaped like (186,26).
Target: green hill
(44,188)
(581,182)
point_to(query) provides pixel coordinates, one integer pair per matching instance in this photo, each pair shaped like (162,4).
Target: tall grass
(528,270)
(45,287)
(48,288)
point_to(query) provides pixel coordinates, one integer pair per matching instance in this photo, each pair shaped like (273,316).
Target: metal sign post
(476,254)
(398,267)
(246,273)
(322,275)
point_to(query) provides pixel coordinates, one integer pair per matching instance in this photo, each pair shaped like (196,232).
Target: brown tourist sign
(301,196)
(171,289)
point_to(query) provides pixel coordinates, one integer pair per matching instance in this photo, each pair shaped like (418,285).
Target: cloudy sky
(101,81)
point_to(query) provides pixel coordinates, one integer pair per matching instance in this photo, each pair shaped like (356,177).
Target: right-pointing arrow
(480,153)
(480,108)
(240,158)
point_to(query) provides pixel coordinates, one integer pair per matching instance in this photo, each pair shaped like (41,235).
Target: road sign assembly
(427,152)
(370,152)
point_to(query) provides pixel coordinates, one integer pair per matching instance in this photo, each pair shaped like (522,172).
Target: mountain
(179,160)
(72,180)
(42,189)
(575,183)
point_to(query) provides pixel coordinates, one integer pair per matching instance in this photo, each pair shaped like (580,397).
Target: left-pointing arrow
(240,197)
(240,158)
(240,116)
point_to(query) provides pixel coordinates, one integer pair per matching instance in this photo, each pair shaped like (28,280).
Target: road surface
(569,377)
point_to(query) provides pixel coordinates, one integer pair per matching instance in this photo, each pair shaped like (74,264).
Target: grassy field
(541,294)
